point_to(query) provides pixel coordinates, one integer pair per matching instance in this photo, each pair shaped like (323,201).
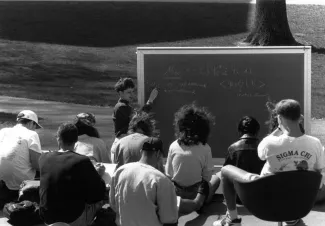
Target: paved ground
(297,2)
(304,2)
(55,113)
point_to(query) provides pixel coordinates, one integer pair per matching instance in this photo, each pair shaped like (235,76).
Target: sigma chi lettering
(290,153)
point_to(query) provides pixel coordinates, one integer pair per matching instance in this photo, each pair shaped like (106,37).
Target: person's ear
(301,119)
(31,125)
(158,155)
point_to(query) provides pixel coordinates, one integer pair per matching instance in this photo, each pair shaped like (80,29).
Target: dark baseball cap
(153,144)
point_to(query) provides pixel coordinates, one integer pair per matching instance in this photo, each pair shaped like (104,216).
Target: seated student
(273,125)
(189,160)
(89,142)
(273,120)
(20,149)
(243,153)
(128,148)
(288,136)
(71,190)
(123,112)
(142,195)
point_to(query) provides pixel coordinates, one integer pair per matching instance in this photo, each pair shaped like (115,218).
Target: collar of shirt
(248,136)
(123,101)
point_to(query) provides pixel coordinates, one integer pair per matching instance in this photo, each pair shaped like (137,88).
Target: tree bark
(271,27)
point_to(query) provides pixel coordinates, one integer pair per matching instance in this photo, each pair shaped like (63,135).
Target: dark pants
(7,195)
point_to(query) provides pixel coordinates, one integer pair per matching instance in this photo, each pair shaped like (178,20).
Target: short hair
(289,109)
(192,124)
(124,84)
(145,122)
(68,133)
(273,121)
(152,145)
(248,125)
(24,121)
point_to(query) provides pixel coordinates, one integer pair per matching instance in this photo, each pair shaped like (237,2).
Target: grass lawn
(75,51)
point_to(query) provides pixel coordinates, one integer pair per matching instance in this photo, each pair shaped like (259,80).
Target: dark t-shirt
(243,154)
(68,181)
(122,116)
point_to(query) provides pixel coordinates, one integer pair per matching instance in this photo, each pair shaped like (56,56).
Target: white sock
(233,214)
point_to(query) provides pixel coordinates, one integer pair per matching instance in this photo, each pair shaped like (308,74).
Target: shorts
(188,192)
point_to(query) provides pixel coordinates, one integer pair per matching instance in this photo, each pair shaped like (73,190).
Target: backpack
(25,213)
(29,190)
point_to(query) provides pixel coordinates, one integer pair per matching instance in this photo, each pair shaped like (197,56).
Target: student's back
(68,182)
(15,165)
(89,142)
(128,149)
(243,153)
(188,165)
(93,147)
(285,153)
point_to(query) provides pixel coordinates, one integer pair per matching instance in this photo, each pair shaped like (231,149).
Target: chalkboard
(230,82)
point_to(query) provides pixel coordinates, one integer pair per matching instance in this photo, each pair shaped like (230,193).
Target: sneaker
(292,223)
(226,221)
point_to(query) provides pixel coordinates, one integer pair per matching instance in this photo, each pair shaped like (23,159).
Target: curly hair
(145,122)
(248,125)
(124,84)
(192,124)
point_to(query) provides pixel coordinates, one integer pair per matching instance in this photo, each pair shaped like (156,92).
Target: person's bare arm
(34,157)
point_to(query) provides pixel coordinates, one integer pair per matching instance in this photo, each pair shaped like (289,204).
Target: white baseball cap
(28,114)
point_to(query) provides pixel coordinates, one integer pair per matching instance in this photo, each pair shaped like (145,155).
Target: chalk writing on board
(193,84)
(242,83)
(153,85)
(252,95)
(179,91)
(207,70)
(218,71)
(172,73)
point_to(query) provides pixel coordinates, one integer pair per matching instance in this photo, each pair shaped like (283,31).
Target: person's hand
(153,95)
(100,168)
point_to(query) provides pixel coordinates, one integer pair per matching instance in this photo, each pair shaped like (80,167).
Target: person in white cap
(20,150)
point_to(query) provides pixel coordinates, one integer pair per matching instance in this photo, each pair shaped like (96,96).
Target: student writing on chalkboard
(189,160)
(123,111)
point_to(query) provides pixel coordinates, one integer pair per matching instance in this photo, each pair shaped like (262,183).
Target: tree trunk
(271,27)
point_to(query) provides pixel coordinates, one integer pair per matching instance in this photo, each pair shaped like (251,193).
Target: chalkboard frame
(305,50)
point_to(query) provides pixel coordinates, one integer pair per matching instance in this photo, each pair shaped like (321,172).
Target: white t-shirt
(285,153)
(187,165)
(92,147)
(15,165)
(142,196)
